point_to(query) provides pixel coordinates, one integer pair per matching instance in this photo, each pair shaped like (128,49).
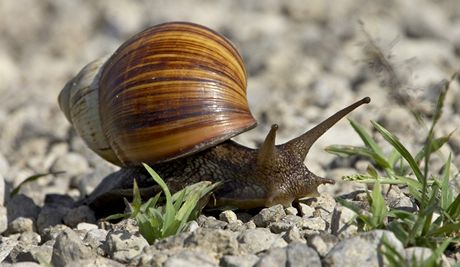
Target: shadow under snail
(173,96)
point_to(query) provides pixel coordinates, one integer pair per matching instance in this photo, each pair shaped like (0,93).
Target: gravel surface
(304,61)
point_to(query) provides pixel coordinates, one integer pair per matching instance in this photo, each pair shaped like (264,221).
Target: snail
(173,96)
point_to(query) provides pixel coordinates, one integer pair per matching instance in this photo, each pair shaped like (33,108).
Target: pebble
(20,225)
(3,219)
(49,216)
(228,216)
(72,163)
(253,241)
(123,246)
(188,258)
(416,255)
(238,260)
(322,243)
(350,252)
(217,241)
(69,248)
(269,215)
(295,254)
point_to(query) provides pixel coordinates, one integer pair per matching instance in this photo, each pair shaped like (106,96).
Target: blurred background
(305,60)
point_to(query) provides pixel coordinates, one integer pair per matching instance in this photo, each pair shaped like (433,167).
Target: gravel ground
(305,60)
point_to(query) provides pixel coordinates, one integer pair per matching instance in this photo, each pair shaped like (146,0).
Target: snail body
(173,96)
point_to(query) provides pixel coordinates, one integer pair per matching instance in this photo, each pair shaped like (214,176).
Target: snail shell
(172,90)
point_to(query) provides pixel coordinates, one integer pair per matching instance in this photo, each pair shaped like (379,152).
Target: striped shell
(172,90)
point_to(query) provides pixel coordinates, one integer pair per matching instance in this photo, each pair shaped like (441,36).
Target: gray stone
(96,261)
(323,205)
(295,254)
(24,264)
(52,232)
(123,246)
(398,200)
(2,183)
(217,241)
(191,227)
(291,211)
(342,222)
(3,219)
(350,252)
(236,226)
(315,224)
(69,248)
(228,216)
(86,226)
(293,235)
(253,241)
(49,216)
(79,214)
(210,222)
(305,210)
(43,252)
(188,258)
(269,215)
(322,243)
(7,244)
(20,225)
(22,206)
(95,238)
(30,238)
(238,260)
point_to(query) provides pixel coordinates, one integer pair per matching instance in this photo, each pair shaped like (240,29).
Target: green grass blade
(435,145)
(446,191)
(435,258)
(367,139)
(345,150)
(454,209)
(32,178)
(170,212)
(378,207)
(393,140)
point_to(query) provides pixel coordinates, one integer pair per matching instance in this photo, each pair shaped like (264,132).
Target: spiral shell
(172,90)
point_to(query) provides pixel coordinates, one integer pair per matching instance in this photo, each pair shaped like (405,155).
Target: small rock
(398,200)
(250,225)
(20,225)
(95,238)
(96,261)
(361,250)
(123,246)
(253,241)
(290,211)
(25,264)
(7,244)
(238,261)
(191,227)
(228,216)
(43,252)
(416,255)
(315,224)
(52,232)
(79,214)
(305,210)
(69,248)
(236,226)
(322,243)
(2,182)
(217,241)
(3,219)
(187,258)
(30,238)
(324,204)
(86,226)
(50,215)
(293,235)
(269,215)
(22,206)
(210,222)
(342,222)
(295,254)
